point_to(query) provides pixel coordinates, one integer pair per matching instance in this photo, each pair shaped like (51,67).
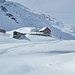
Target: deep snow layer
(34,55)
(37,56)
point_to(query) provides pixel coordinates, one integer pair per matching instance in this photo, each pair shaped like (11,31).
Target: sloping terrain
(41,55)
(33,54)
(14,16)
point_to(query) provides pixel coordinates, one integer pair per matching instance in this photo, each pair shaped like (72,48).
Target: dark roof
(43,28)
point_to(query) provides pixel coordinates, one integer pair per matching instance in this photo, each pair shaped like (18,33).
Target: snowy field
(37,56)
(31,54)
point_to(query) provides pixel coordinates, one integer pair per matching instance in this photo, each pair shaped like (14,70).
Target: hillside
(14,16)
(34,54)
(38,56)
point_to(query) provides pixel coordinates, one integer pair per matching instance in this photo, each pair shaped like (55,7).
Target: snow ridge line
(3,51)
(10,49)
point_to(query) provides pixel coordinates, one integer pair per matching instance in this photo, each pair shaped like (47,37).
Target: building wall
(2,31)
(18,35)
(46,32)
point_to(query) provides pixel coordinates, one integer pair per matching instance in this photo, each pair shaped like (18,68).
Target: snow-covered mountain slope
(34,54)
(63,27)
(60,27)
(14,16)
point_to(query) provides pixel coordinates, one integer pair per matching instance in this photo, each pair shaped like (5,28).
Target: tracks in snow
(15,47)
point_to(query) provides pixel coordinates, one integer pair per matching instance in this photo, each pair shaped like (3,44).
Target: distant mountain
(65,28)
(14,16)
(58,28)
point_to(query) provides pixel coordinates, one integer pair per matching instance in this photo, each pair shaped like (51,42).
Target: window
(15,33)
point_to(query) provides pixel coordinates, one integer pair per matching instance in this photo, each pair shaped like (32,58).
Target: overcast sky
(63,10)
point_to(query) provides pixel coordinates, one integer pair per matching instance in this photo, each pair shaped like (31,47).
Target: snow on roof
(26,30)
(43,28)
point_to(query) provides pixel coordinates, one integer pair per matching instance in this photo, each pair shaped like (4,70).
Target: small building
(2,31)
(37,33)
(17,35)
(46,31)
(2,1)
